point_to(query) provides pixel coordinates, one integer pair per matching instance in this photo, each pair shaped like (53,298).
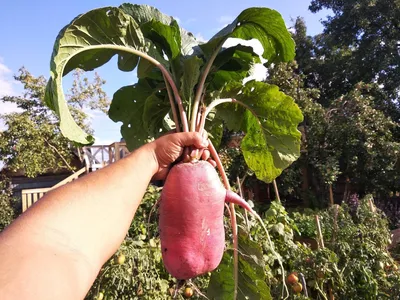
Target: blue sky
(28,30)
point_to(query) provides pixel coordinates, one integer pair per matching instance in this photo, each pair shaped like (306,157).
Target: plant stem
(60,155)
(163,70)
(276,191)
(216,158)
(218,102)
(246,218)
(171,101)
(200,87)
(331,202)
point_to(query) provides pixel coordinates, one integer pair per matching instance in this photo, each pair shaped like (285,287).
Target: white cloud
(190,20)
(7,88)
(200,38)
(178,20)
(101,141)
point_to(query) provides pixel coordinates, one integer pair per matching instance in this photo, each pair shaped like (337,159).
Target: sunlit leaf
(88,42)
(272,140)
(251,283)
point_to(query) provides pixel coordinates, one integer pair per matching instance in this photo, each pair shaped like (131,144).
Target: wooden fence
(95,157)
(30,196)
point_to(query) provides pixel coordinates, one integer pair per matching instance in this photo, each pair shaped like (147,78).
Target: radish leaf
(263,24)
(128,107)
(88,42)
(251,281)
(231,64)
(155,105)
(191,73)
(272,141)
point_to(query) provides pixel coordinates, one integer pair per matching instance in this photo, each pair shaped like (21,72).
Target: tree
(340,142)
(360,43)
(8,208)
(32,140)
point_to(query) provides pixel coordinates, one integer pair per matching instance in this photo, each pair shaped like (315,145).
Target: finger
(205,134)
(205,155)
(212,162)
(190,138)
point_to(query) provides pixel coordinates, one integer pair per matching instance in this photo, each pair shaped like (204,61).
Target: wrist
(146,157)
(150,157)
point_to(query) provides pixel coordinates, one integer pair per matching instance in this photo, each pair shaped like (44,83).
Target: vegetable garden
(188,238)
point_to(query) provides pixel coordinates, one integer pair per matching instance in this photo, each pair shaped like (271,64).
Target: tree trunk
(331,202)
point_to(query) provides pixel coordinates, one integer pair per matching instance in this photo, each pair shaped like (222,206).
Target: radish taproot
(191,219)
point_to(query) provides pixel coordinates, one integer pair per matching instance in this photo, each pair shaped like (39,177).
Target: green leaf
(236,58)
(263,24)
(156,107)
(149,70)
(251,283)
(145,13)
(167,37)
(128,107)
(191,73)
(88,42)
(279,229)
(215,129)
(272,141)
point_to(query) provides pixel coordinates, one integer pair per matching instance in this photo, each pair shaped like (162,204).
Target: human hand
(169,148)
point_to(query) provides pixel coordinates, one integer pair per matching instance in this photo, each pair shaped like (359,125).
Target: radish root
(236,199)
(215,156)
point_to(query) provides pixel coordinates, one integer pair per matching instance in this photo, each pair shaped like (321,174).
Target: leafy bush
(355,263)
(7,203)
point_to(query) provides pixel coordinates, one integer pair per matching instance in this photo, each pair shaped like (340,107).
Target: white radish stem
(173,109)
(200,87)
(218,102)
(163,70)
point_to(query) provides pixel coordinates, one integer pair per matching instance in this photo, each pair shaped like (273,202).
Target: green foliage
(340,141)
(355,262)
(32,140)
(145,37)
(359,43)
(8,209)
(272,141)
(251,282)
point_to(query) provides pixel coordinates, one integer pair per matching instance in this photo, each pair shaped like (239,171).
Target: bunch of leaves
(8,204)
(339,142)
(359,43)
(281,228)
(252,283)
(177,73)
(32,140)
(356,263)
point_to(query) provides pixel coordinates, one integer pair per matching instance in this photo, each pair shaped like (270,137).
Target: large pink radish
(191,219)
